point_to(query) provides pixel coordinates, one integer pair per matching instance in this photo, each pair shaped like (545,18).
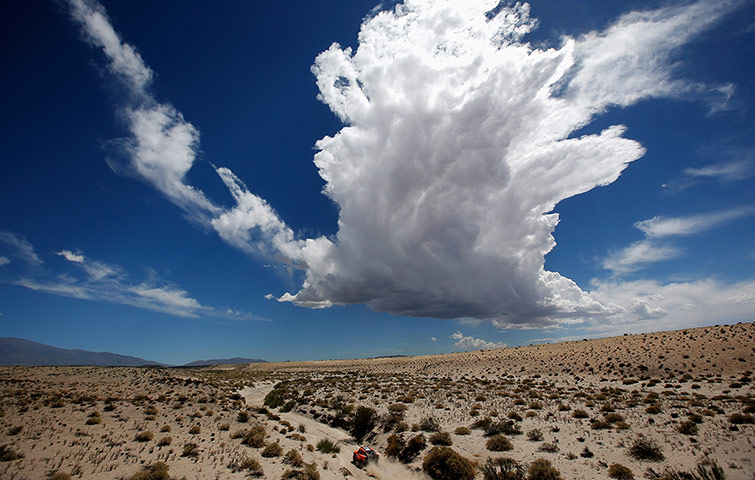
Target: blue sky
(185,181)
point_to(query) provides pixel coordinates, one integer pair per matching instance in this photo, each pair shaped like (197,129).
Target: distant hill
(223,361)
(17,351)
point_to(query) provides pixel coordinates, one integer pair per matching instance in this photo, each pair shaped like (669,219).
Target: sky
(344,179)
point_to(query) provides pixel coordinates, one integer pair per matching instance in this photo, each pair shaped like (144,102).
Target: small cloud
(724,172)
(637,255)
(4,261)
(658,227)
(20,248)
(269,296)
(433,339)
(70,256)
(471,343)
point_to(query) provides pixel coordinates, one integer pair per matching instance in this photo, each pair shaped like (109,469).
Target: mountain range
(17,351)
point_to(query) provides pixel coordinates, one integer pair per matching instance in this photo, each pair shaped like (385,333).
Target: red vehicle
(364,455)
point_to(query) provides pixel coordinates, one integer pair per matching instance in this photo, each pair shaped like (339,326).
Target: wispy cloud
(659,227)
(455,151)
(740,167)
(4,261)
(98,281)
(19,248)
(653,249)
(471,343)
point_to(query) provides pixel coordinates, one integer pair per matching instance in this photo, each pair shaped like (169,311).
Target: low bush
(535,435)
(462,431)
(156,471)
(502,468)
(272,450)
(644,448)
(328,446)
(441,438)
(255,437)
(443,463)
(190,450)
(251,465)
(164,442)
(541,469)
(499,443)
(144,436)
(620,472)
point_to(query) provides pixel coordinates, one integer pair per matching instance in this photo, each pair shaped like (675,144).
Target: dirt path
(384,470)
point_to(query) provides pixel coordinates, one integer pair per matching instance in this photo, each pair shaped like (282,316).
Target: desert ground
(661,405)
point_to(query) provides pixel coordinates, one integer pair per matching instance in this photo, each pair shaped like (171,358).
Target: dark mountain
(17,351)
(223,361)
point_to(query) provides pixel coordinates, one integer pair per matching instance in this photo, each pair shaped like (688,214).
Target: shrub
(549,448)
(409,451)
(272,450)
(741,419)
(613,417)
(503,468)
(462,431)
(580,414)
(94,420)
(541,469)
(144,436)
(429,424)
(535,435)
(653,409)
(190,450)
(364,421)
(164,442)
(395,445)
(644,448)
(165,429)
(195,430)
(224,427)
(599,425)
(328,446)
(255,437)
(59,476)
(687,428)
(442,463)
(156,471)
(293,457)
(499,443)
(242,417)
(707,469)
(252,466)
(482,423)
(309,473)
(8,455)
(441,438)
(507,427)
(620,472)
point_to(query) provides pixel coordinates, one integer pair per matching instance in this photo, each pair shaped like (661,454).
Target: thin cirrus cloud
(104,283)
(455,151)
(654,249)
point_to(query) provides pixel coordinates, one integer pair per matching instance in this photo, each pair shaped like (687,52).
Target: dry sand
(84,421)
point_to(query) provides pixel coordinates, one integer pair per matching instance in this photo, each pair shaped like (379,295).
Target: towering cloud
(456,148)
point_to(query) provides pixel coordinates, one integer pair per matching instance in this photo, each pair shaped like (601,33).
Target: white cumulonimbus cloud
(456,148)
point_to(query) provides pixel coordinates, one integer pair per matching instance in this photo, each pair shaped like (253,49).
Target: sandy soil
(690,391)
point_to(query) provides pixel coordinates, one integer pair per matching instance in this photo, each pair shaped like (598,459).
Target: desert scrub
(620,472)
(293,458)
(252,467)
(8,455)
(503,468)
(328,446)
(441,438)
(59,476)
(195,430)
(190,450)
(242,417)
(165,429)
(144,436)
(548,448)
(541,469)
(272,450)
(462,431)
(405,452)
(224,427)
(363,422)
(644,448)
(741,419)
(309,473)
(535,435)
(156,471)
(499,443)
(580,414)
(687,428)
(707,469)
(164,442)
(429,424)
(255,437)
(507,427)
(443,463)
